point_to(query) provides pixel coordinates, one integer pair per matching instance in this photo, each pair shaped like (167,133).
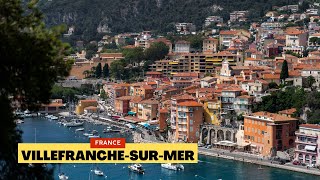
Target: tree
(98,71)
(133,55)
(26,77)
(272,85)
(104,95)
(156,51)
(106,70)
(117,69)
(310,81)
(284,71)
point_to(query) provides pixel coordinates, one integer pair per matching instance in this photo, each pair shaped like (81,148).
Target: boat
(98,172)
(62,176)
(73,123)
(173,166)
(94,131)
(19,121)
(80,129)
(136,168)
(87,134)
(108,129)
(94,136)
(54,118)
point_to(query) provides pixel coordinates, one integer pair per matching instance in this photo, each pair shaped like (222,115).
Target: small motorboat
(54,118)
(98,172)
(94,136)
(62,176)
(80,129)
(136,168)
(87,134)
(109,129)
(94,131)
(173,166)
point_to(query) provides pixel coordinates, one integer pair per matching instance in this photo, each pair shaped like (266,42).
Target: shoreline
(246,160)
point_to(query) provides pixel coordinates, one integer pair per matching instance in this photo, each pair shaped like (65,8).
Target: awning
(310,148)
(131,113)
(146,125)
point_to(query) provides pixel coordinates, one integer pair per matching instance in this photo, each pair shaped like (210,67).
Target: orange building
(189,117)
(85,103)
(121,104)
(163,119)
(269,132)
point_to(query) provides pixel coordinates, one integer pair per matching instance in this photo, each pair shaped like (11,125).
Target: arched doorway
(212,136)
(220,135)
(228,135)
(204,135)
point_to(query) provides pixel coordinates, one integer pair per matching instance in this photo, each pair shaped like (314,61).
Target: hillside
(136,15)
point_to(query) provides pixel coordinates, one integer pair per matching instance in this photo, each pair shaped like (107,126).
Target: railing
(304,134)
(305,151)
(306,142)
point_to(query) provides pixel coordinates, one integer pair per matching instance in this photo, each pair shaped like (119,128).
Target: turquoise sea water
(207,168)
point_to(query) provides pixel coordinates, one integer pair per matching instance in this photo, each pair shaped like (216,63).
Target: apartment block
(188,120)
(269,132)
(308,143)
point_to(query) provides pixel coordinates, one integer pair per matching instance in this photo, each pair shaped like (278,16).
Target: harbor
(207,168)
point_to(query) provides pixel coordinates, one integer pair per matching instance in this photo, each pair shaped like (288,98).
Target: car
(296,163)
(311,165)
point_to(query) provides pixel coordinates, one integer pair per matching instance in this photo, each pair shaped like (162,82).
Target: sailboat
(260,167)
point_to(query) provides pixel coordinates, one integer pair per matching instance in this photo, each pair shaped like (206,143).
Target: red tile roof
(190,104)
(311,126)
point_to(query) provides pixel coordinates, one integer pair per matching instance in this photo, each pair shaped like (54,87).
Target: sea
(41,130)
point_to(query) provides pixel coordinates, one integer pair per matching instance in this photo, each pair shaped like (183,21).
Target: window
(191,121)
(191,128)
(191,115)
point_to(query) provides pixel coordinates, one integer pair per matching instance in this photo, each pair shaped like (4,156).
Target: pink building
(307,144)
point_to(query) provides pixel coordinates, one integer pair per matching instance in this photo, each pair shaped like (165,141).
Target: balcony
(299,141)
(305,151)
(183,129)
(211,106)
(182,122)
(298,133)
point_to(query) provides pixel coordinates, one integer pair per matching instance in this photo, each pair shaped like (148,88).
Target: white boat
(62,176)
(136,168)
(172,166)
(94,136)
(19,121)
(74,123)
(87,134)
(54,118)
(98,172)
(80,129)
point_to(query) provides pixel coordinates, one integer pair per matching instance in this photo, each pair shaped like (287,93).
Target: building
(213,20)
(163,117)
(185,28)
(85,103)
(228,97)
(212,110)
(243,104)
(296,38)
(226,37)
(307,144)
(210,45)
(55,106)
(236,15)
(269,132)
(182,47)
(122,104)
(148,109)
(188,120)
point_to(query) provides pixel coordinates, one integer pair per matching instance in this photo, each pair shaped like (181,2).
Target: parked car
(311,165)
(296,163)
(209,146)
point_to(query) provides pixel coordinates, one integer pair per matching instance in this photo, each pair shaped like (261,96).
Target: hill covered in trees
(137,15)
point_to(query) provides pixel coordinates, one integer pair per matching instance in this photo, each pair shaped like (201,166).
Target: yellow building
(212,111)
(85,103)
